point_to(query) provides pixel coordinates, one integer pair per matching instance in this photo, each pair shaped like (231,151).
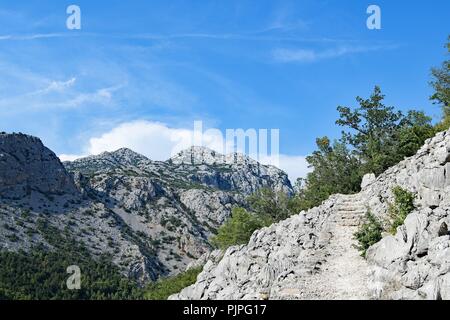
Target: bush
(369,233)
(271,206)
(238,229)
(403,205)
(163,288)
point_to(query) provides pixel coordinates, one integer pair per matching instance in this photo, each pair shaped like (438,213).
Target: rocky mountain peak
(197,155)
(26,166)
(107,161)
(126,156)
(234,171)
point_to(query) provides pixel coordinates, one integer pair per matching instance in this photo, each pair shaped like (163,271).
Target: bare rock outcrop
(414,263)
(27,166)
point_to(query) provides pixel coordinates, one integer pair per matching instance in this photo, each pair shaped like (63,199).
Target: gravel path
(343,276)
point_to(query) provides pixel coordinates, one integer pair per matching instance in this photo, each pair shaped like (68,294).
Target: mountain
(312,255)
(152,218)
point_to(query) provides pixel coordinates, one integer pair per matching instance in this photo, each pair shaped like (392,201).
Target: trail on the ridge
(343,274)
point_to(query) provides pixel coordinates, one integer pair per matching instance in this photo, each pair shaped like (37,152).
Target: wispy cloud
(285,20)
(36,36)
(311,55)
(57,86)
(102,96)
(60,94)
(262,35)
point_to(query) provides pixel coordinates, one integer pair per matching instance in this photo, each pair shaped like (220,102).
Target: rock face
(26,166)
(415,263)
(311,255)
(153,218)
(427,174)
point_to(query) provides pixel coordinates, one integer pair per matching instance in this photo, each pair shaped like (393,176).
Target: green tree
(441,86)
(381,136)
(373,127)
(237,229)
(377,137)
(163,288)
(413,130)
(335,170)
(270,206)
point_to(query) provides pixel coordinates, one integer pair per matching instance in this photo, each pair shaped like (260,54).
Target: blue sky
(157,66)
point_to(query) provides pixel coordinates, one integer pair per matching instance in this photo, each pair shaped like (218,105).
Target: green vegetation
(163,288)
(270,206)
(238,229)
(441,86)
(41,273)
(266,207)
(336,170)
(402,206)
(369,233)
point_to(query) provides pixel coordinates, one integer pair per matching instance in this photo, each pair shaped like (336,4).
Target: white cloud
(295,166)
(158,141)
(57,86)
(155,140)
(61,85)
(69,157)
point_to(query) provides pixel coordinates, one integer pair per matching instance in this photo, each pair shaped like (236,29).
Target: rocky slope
(311,255)
(153,218)
(415,263)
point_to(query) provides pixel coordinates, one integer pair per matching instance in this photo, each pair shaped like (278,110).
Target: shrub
(163,288)
(237,230)
(271,206)
(402,206)
(369,233)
